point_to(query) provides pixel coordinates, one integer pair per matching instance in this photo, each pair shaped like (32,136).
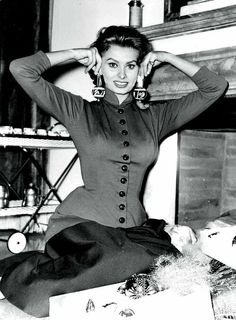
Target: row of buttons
(124,167)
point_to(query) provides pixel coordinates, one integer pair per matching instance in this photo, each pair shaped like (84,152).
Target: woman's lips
(120,84)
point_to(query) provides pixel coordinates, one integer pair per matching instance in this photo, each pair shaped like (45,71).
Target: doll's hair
(124,36)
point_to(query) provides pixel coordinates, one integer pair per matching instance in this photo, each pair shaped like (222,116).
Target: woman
(100,233)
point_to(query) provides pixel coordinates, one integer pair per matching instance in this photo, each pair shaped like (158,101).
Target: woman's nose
(122,73)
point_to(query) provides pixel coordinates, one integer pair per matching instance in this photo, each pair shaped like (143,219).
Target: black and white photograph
(117,159)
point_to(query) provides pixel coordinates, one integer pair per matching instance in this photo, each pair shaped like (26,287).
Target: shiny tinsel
(183,273)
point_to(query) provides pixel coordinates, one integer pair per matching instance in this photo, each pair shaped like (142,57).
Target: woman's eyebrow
(112,60)
(132,61)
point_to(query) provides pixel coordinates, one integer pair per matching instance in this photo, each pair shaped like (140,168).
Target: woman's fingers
(146,66)
(151,60)
(94,61)
(98,62)
(91,60)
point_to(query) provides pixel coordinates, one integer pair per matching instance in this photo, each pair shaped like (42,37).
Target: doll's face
(120,70)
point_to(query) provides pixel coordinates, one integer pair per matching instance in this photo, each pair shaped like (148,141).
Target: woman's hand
(89,58)
(152,59)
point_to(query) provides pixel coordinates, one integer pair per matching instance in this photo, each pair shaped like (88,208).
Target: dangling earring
(98,91)
(140,94)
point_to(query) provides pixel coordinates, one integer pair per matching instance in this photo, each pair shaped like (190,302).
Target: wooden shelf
(26,211)
(36,142)
(205,21)
(15,218)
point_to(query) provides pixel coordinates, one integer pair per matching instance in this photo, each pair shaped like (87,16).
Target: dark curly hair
(124,36)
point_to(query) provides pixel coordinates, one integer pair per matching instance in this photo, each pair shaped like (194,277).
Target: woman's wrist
(72,53)
(171,58)
(188,67)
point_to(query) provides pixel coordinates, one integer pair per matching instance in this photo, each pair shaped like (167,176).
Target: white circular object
(16,242)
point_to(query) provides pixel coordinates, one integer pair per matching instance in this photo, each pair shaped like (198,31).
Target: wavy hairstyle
(124,36)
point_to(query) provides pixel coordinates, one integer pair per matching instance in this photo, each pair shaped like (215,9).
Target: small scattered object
(111,306)
(41,132)
(127,313)
(64,133)
(6,130)
(90,306)
(57,129)
(137,286)
(17,131)
(53,134)
(29,131)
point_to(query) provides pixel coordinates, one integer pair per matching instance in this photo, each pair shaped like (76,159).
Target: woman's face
(120,70)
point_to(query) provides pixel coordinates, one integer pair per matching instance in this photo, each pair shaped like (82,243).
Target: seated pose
(100,234)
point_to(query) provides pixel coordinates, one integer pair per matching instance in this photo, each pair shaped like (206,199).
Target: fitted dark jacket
(116,144)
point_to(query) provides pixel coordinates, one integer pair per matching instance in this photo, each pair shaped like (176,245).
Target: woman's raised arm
(87,57)
(155,58)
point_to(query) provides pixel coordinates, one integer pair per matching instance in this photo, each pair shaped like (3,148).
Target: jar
(30,196)
(135,13)
(4,196)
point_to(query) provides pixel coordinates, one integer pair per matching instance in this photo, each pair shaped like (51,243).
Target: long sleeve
(174,114)
(62,105)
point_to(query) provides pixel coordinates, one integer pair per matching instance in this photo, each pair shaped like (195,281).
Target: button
(122,220)
(121,193)
(126,143)
(120,111)
(122,206)
(123,180)
(122,121)
(124,132)
(125,157)
(124,168)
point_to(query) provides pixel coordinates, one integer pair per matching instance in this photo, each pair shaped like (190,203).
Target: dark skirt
(80,257)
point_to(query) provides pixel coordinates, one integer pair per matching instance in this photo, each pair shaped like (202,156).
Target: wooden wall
(207,176)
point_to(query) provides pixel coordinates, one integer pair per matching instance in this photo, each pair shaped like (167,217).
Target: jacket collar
(111,98)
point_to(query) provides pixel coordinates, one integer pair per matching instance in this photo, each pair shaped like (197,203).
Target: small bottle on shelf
(136,13)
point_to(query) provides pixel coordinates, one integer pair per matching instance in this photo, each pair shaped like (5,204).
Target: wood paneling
(169,83)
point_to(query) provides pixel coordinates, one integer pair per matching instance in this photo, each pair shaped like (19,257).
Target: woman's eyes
(115,65)
(112,65)
(131,66)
